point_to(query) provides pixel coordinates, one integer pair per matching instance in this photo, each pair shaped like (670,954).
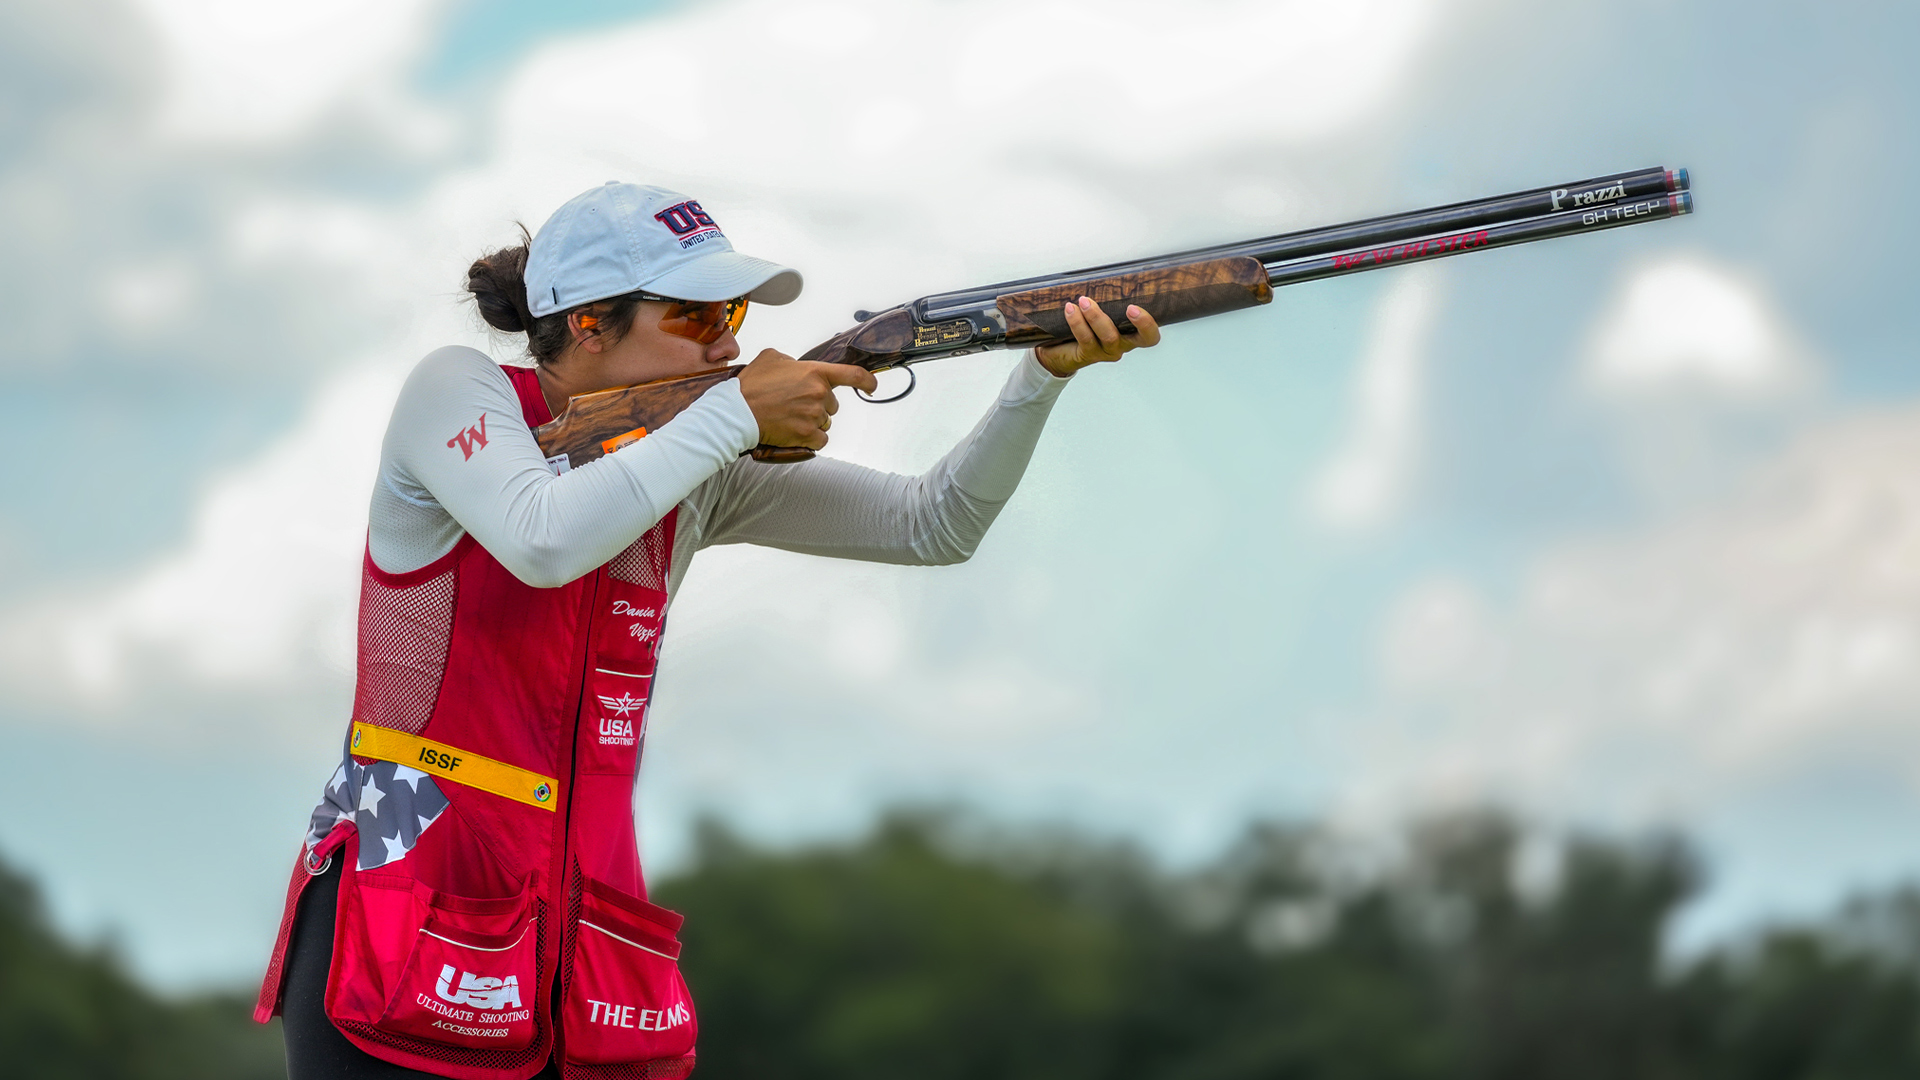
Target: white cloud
(143,298)
(1439,635)
(261,595)
(265,69)
(863,643)
(1775,634)
(877,177)
(979,164)
(865,108)
(1685,323)
(1367,478)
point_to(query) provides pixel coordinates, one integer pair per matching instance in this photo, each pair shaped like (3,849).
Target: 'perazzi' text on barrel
(1567,223)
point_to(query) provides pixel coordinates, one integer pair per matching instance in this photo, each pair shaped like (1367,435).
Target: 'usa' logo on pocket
(478,991)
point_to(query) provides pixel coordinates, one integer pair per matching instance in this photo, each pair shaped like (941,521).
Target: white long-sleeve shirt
(458,458)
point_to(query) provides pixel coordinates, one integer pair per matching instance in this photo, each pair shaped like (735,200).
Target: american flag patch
(389,804)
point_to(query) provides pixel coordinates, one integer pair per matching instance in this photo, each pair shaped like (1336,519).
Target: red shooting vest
(504,724)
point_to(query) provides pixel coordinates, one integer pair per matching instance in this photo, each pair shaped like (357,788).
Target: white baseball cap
(621,238)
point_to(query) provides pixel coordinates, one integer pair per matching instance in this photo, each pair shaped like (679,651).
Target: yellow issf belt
(455,764)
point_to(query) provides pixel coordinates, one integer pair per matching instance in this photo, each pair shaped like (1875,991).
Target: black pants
(315,1048)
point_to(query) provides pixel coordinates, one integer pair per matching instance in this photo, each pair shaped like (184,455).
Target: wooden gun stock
(599,423)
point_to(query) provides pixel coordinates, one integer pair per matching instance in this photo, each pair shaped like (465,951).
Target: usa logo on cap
(689,224)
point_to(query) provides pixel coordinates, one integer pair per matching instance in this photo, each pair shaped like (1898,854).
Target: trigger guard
(912,381)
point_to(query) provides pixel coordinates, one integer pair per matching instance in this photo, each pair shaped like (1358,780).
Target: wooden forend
(1172,294)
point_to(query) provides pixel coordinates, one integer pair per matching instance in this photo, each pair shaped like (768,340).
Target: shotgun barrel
(1368,233)
(1213,280)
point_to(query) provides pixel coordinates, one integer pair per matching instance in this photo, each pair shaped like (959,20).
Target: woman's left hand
(1095,338)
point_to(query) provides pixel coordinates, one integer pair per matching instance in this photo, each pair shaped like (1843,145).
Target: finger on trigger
(850,375)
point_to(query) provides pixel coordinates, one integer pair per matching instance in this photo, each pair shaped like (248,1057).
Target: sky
(1620,531)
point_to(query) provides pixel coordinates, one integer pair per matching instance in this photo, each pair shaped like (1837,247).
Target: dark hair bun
(498,283)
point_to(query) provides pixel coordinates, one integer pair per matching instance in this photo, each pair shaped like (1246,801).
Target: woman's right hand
(793,399)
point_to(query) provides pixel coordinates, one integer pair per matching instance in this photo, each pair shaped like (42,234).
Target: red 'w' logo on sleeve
(474,438)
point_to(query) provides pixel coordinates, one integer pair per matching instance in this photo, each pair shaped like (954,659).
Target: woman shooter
(470,902)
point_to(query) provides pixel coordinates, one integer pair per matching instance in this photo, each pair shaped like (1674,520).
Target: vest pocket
(470,977)
(625,1000)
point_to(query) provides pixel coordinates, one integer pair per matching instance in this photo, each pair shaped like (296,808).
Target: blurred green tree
(1813,1003)
(940,948)
(891,958)
(73,1013)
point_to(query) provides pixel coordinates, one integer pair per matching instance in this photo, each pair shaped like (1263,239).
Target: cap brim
(724,275)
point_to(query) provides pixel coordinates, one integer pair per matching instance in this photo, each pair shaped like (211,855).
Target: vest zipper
(579,703)
(561,921)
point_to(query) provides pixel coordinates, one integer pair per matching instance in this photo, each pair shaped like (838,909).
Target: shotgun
(1174,288)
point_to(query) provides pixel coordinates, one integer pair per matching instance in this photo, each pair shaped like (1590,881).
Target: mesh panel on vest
(456,1055)
(644,561)
(574,889)
(274,985)
(404,634)
(657,1069)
